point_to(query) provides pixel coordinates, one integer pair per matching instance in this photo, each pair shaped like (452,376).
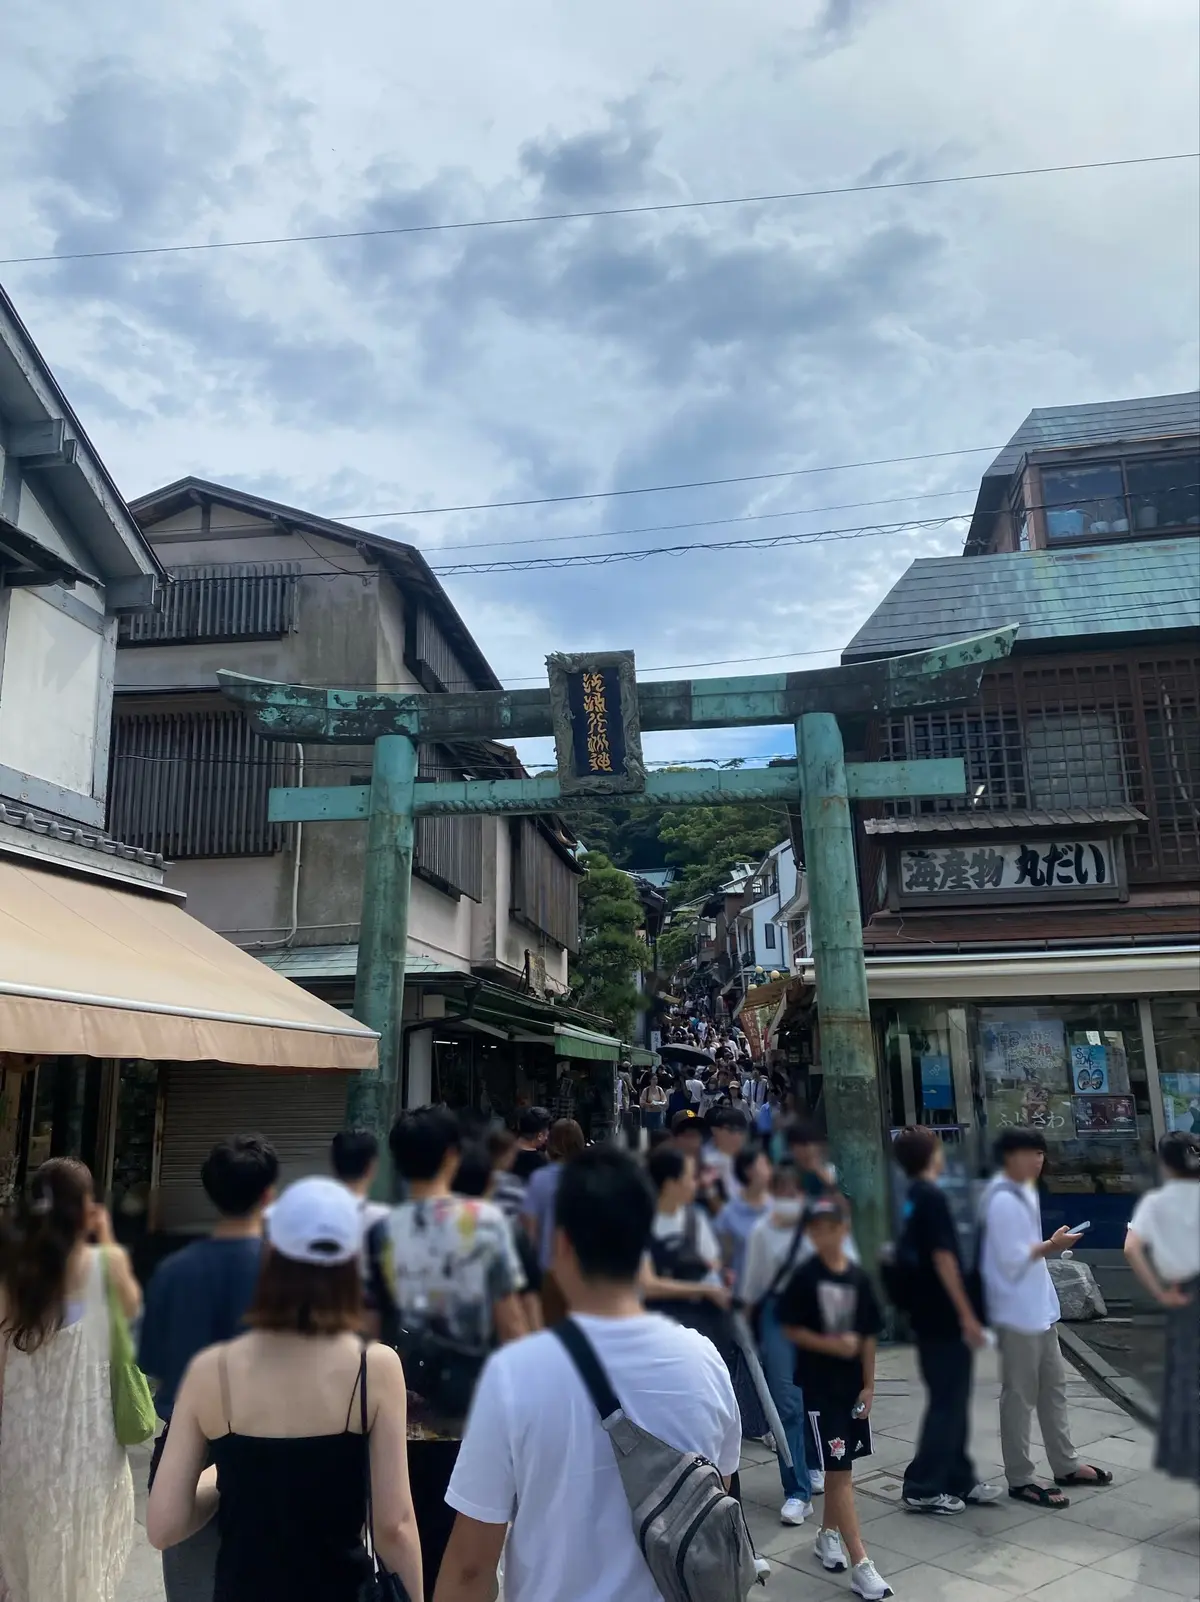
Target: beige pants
(1032,1375)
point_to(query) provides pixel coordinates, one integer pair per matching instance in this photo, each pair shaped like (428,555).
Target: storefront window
(452,1070)
(1177,1042)
(1076,1071)
(923,1044)
(133,1149)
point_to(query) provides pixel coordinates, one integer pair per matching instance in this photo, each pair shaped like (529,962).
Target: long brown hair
(306,1298)
(49,1221)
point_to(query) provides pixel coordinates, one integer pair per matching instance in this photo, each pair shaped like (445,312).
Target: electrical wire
(1107,615)
(613,494)
(657,208)
(606,558)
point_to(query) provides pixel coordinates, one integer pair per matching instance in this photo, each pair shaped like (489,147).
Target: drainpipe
(274,945)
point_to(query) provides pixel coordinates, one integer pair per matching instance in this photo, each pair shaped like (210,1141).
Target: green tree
(705,842)
(611,952)
(678,942)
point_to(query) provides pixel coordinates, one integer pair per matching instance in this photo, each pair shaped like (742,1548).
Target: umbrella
(749,1350)
(672,1051)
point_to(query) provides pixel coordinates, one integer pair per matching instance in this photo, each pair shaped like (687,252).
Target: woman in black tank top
(293,1418)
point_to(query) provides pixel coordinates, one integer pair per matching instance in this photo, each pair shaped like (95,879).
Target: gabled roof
(79,482)
(1051,428)
(405,563)
(1129,589)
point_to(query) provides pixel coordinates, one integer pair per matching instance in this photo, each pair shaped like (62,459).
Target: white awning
(1121,972)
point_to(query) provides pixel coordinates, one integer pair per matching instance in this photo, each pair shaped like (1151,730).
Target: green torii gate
(595,708)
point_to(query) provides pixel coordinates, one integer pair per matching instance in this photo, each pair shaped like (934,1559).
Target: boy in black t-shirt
(830,1312)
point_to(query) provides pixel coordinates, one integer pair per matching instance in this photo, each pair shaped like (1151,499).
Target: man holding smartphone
(1023,1310)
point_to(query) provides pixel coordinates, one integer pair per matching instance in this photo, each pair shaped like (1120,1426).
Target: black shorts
(841,1438)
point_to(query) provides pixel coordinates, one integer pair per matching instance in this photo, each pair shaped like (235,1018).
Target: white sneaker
(818,1482)
(866,1581)
(830,1552)
(762,1570)
(984,1493)
(795,1510)
(935,1504)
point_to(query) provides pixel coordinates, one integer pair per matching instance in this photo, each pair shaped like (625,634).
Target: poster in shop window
(1032,1107)
(1181,1102)
(1106,1115)
(1020,1051)
(1089,1070)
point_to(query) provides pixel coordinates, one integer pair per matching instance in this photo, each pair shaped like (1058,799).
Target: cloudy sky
(507,363)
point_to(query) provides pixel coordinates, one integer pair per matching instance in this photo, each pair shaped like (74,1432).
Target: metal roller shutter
(298,1113)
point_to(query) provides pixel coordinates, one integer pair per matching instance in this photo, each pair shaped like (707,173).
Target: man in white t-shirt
(1023,1310)
(535,1464)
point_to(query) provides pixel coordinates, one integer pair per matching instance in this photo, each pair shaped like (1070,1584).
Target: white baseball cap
(316,1221)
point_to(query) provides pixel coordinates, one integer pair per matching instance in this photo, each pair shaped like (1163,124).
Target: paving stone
(1176,1572)
(1088,1585)
(1011,1568)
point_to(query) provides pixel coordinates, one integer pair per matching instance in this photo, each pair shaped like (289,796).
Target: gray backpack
(690,1531)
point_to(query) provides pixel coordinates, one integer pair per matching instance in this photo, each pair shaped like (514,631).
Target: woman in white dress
(66,1491)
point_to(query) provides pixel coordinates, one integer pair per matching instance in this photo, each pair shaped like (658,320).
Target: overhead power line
(656,208)
(639,489)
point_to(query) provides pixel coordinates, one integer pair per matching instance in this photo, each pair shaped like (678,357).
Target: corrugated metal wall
(220,601)
(298,1113)
(448,850)
(193,784)
(545,892)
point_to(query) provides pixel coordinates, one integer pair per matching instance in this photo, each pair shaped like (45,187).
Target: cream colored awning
(90,970)
(1126,971)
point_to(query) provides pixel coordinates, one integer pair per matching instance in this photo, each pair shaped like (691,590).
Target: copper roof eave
(1116,819)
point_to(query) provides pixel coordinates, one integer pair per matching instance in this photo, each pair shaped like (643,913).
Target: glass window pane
(1083,501)
(1075,759)
(1075,1070)
(1164,492)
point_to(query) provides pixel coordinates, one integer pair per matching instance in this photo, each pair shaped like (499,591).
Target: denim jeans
(779,1366)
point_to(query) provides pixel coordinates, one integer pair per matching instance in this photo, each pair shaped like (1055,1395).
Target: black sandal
(1039,1496)
(1098,1476)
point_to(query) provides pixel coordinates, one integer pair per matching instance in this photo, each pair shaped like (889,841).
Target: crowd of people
(350,1391)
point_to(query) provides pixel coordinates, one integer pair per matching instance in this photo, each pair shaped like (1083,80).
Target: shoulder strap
(223,1377)
(691,1230)
(366,1435)
(591,1371)
(789,1261)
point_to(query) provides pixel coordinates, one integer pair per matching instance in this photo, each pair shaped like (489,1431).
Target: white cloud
(495,364)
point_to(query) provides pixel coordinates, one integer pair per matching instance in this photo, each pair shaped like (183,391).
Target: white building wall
(50,693)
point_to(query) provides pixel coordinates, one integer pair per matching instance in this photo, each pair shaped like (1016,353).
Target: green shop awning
(571,1042)
(641,1058)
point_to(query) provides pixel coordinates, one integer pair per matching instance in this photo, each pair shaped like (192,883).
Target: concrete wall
(57,654)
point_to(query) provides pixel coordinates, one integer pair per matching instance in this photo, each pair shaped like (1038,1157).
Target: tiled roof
(72,834)
(341,962)
(1131,588)
(993,822)
(1121,422)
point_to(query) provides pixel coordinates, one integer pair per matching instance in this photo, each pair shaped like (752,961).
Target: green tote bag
(133,1407)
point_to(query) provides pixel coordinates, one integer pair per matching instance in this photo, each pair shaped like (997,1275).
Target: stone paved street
(1137,1542)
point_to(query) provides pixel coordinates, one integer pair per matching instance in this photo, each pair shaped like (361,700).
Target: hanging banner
(597,733)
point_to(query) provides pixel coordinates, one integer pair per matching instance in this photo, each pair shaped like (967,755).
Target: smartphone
(1078,1229)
